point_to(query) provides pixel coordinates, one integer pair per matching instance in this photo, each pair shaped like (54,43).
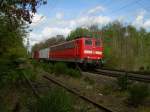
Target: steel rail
(30,85)
(121,70)
(85,98)
(130,75)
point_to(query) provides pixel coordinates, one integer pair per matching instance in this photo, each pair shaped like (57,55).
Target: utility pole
(126,36)
(28,45)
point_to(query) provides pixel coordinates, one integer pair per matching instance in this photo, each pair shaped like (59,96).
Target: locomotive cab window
(97,43)
(88,42)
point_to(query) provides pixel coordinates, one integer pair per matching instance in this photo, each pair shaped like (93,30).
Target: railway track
(132,76)
(73,91)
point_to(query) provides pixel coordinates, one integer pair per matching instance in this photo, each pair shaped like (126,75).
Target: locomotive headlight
(98,52)
(87,51)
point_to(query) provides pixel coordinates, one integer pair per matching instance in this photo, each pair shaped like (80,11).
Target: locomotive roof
(72,41)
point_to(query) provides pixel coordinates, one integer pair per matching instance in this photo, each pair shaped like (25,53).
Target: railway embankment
(79,91)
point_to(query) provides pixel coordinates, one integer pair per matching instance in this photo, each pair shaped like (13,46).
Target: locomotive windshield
(88,42)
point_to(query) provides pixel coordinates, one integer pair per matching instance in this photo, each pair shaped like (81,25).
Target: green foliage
(12,49)
(48,67)
(35,63)
(13,30)
(78,32)
(12,74)
(60,68)
(108,89)
(129,52)
(29,73)
(122,82)
(11,42)
(9,77)
(7,72)
(16,76)
(49,42)
(138,93)
(56,100)
(73,73)
(21,9)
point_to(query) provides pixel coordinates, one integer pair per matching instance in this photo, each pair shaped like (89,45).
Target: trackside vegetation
(123,82)
(56,100)
(60,68)
(137,92)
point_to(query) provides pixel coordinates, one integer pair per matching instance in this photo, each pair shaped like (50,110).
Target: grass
(12,73)
(122,82)
(57,100)
(62,68)
(59,68)
(143,109)
(73,73)
(48,67)
(107,89)
(89,80)
(138,93)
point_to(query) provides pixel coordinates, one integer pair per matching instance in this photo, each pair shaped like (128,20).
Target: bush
(73,73)
(56,101)
(60,68)
(16,76)
(29,72)
(35,63)
(48,67)
(138,93)
(10,77)
(122,82)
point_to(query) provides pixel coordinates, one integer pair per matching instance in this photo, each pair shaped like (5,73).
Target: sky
(60,17)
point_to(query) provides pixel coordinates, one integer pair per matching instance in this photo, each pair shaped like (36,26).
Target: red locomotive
(83,50)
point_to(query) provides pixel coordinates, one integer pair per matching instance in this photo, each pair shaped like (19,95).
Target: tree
(93,28)
(129,52)
(13,17)
(78,32)
(20,9)
(11,41)
(49,42)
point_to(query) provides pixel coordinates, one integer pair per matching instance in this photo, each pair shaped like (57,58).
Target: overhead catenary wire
(146,8)
(129,4)
(125,6)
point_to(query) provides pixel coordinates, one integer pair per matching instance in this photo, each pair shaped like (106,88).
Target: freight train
(84,51)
